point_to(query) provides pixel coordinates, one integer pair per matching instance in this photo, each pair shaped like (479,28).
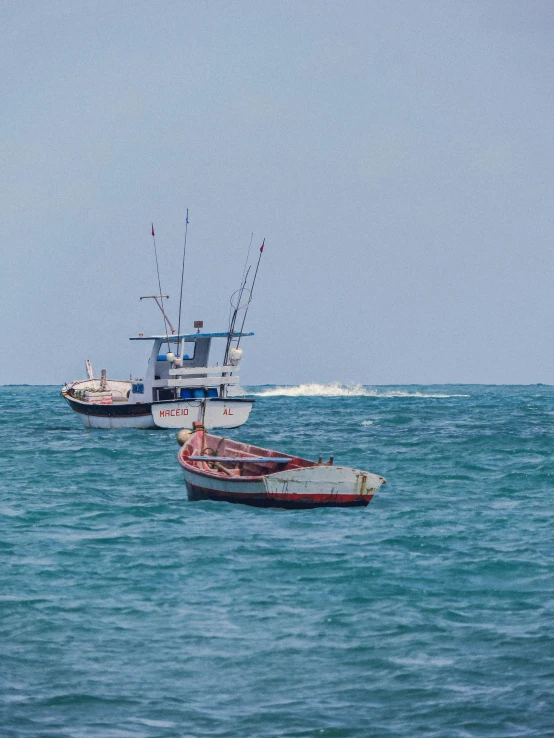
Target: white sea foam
(367,422)
(236,391)
(336,389)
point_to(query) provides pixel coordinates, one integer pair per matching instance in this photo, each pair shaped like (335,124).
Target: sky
(397,157)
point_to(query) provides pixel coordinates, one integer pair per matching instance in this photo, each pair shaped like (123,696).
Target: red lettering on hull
(174,412)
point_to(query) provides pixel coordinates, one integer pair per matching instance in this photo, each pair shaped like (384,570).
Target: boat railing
(202,376)
(199,382)
(218,370)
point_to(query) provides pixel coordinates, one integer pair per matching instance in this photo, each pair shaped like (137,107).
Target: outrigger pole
(251,291)
(180,351)
(233,318)
(240,291)
(247,254)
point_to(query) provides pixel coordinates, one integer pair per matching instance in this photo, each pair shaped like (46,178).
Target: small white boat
(179,388)
(218,468)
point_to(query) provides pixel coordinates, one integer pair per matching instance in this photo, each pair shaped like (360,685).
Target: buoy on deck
(235,355)
(183,436)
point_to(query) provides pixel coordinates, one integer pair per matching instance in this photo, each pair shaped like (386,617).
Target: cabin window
(188,350)
(165,393)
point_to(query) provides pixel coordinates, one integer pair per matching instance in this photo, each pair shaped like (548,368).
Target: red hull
(283,500)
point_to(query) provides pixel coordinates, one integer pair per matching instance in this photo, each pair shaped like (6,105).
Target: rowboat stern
(323,485)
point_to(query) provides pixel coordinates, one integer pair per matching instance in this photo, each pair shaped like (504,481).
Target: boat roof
(187,336)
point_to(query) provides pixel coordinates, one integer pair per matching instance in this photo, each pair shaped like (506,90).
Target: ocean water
(128,612)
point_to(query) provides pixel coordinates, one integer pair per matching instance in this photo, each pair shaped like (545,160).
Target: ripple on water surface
(127,611)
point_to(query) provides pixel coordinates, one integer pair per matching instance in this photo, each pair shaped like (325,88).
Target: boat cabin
(179,368)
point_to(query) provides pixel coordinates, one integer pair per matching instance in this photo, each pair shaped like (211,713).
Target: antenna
(182,278)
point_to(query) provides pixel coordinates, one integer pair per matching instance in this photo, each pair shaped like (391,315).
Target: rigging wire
(251,292)
(233,317)
(247,255)
(233,309)
(182,278)
(160,287)
(231,306)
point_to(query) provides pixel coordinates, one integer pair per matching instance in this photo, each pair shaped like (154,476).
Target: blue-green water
(128,612)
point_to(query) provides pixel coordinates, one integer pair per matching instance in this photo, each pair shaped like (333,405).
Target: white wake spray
(336,389)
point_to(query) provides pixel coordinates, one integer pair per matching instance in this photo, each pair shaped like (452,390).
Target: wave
(236,391)
(336,389)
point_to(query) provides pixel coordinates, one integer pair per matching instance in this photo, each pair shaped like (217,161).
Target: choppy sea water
(128,612)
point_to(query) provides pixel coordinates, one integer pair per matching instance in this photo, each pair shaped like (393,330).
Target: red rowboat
(218,468)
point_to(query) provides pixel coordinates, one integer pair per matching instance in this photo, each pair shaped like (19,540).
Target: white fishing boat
(179,387)
(221,469)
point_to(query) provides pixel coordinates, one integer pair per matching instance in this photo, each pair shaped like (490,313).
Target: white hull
(98,421)
(309,485)
(220,413)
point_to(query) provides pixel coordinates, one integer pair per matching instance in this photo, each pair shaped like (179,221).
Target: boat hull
(215,412)
(117,415)
(219,413)
(311,487)
(287,502)
(100,422)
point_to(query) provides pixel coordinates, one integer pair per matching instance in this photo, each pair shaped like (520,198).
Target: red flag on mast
(262,247)
(153,229)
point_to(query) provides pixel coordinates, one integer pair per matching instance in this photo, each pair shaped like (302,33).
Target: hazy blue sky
(398,157)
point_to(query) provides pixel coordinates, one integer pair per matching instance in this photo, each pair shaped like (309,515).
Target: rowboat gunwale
(302,483)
